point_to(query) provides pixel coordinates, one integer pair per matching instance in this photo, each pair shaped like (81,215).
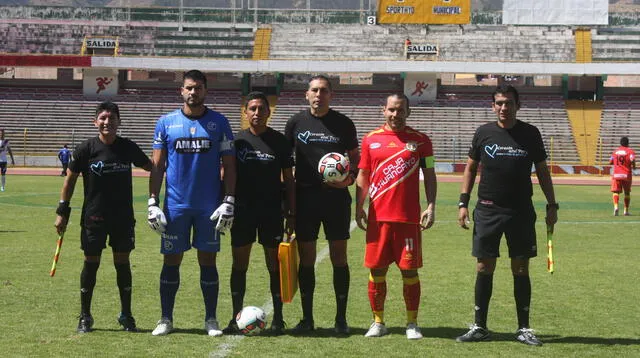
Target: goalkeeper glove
(156,219)
(224,214)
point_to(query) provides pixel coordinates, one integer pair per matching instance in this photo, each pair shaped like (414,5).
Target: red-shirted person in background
(623,160)
(392,158)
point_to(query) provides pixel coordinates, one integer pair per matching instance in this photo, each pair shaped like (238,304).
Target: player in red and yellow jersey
(392,158)
(623,160)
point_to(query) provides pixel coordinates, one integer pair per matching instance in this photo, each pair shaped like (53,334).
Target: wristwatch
(553,205)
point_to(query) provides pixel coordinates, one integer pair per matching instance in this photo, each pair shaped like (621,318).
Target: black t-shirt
(506,156)
(260,160)
(106,173)
(313,137)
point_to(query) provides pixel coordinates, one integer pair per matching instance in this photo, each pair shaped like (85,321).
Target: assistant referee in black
(507,149)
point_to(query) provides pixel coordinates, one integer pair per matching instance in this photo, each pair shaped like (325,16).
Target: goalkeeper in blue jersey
(189,144)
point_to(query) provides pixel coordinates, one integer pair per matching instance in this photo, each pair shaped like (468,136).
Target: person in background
(64,155)
(5,149)
(623,160)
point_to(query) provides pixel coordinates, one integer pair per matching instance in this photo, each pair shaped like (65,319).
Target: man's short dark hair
(624,141)
(196,76)
(321,77)
(504,89)
(400,95)
(256,95)
(109,107)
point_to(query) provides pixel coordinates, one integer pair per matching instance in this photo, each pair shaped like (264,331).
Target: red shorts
(389,242)
(617,186)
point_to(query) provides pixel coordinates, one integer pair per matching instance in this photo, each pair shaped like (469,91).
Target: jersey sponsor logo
(100,168)
(308,137)
(174,126)
(392,145)
(394,172)
(245,154)
(303,137)
(497,151)
(96,168)
(192,145)
(375,145)
(411,146)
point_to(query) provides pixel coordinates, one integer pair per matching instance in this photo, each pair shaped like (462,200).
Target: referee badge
(411,146)
(192,130)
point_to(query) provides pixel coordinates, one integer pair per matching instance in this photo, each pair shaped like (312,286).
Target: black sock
(123,278)
(87,283)
(307,281)
(484,289)
(522,294)
(341,280)
(274,285)
(238,283)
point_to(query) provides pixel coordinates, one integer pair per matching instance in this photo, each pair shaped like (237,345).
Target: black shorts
(3,168)
(518,226)
(94,240)
(249,219)
(327,206)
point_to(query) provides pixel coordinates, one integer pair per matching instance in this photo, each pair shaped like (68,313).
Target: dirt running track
(442,177)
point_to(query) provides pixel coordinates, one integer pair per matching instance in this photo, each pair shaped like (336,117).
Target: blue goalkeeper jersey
(194,147)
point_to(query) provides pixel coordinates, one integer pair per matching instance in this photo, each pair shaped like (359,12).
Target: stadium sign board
(101,43)
(424,11)
(428,49)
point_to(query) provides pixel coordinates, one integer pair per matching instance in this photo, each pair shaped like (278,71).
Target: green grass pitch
(588,307)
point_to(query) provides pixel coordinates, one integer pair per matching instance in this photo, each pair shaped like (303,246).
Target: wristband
(553,205)
(63,209)
(463,202)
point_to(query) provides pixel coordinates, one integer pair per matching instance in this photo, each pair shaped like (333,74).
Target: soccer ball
(334,167)
(251,320)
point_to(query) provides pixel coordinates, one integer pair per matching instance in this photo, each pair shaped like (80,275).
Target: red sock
(377,296)
(411,292)
(627,200)
(616,200)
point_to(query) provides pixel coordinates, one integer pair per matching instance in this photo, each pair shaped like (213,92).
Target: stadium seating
(66,38)
(616,44)
(53,122)
(455,43)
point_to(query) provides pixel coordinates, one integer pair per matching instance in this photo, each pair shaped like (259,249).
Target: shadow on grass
(452,333)
(321,332)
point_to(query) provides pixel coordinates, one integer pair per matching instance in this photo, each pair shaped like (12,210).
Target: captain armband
(428,162)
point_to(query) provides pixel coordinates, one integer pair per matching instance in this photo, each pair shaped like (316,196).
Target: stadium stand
(455,43)
(616,44)
(59,37)
(451,127)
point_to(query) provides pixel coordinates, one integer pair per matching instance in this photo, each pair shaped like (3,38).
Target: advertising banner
(424,11)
